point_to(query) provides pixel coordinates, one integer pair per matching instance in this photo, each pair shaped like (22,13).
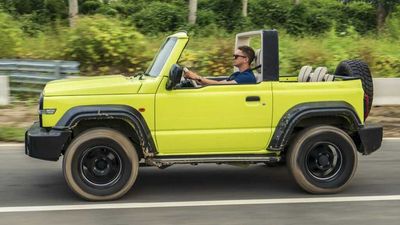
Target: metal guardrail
(30,76)
(386,91)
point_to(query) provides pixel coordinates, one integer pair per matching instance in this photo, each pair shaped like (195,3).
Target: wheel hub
(323,160)
(100,166)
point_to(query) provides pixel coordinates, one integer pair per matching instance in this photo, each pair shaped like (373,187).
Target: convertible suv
(106,127)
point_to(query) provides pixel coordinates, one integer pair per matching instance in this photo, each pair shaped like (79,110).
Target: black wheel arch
(338,113)
(122,117)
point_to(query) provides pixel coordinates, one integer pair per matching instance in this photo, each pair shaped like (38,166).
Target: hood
(101,85)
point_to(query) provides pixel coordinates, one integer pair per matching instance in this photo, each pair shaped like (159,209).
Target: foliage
(159,17)
(228,12)
(214,60)
(315,32)
(12,134)
(99,43)
(10,36)
(90,7)
(359,15)
(268,13)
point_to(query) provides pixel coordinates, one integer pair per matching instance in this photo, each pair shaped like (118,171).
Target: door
(216,119)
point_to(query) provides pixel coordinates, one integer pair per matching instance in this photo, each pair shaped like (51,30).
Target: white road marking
(199,203)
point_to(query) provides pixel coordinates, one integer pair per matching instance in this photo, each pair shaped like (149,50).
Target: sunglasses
(237,56)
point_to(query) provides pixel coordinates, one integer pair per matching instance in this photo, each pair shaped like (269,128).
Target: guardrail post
(4,90)
(57,69)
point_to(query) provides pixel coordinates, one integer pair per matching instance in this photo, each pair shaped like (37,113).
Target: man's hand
(191,75)
(204,81)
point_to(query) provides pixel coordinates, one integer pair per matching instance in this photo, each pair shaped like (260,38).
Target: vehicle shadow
(212,182)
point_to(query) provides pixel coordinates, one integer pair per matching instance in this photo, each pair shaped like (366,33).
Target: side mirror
(175,75)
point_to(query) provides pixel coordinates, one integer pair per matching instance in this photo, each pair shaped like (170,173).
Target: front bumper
(43,144)
(370,138)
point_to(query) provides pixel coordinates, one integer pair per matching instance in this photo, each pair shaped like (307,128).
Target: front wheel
(100,164)
(322,159)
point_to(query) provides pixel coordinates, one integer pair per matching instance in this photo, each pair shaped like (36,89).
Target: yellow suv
(108,126)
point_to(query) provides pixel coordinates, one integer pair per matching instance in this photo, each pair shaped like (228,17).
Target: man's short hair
(248,51)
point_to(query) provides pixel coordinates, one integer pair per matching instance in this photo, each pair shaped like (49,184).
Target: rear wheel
(322,159)
(100,164)
(357,68)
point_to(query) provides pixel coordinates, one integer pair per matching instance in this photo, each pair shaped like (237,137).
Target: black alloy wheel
(100,164)
(322,159)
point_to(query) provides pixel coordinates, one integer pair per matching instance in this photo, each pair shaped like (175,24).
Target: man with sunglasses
(242,59)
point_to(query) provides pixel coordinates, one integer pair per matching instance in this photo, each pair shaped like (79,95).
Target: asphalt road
(29,182)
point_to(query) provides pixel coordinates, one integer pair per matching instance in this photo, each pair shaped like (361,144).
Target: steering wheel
(175,75)
(176,78)
(193,82)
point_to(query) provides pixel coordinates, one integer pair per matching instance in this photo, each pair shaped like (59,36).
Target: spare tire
(357,68)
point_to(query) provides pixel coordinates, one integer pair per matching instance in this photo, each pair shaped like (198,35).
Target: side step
(170,160)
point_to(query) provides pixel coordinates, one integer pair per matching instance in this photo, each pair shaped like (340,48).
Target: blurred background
(121,37)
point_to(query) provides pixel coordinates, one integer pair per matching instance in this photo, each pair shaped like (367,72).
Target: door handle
(252,98)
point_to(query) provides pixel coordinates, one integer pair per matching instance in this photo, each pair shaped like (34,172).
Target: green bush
(90,7)
(228,12)
(56,9)
(10,36)
(29,25)
(360,15)
(213,60)
(105,44)
(296,23)
(205,17)
(160,17)
(268,13)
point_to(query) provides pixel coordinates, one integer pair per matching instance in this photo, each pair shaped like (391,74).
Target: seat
(319,74)
(257,65)
(304,74)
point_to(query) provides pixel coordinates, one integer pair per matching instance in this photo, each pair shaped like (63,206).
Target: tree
(383,9)
(192,11)
(244,7)
(73,11)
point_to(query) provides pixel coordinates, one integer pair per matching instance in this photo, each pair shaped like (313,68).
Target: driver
(242,59)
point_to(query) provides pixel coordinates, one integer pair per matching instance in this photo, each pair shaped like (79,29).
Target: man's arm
(202,80)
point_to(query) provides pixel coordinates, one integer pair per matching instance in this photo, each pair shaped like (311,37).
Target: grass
(12,134)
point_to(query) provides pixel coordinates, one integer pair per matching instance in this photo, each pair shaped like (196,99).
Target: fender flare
(296,114)
(122,112)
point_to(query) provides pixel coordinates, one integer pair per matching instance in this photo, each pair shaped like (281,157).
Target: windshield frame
(162,56)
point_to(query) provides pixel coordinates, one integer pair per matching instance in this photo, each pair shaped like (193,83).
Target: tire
(310,154)
(100,164)
(357,68)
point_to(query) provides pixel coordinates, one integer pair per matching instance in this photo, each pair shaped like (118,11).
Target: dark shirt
(245,77)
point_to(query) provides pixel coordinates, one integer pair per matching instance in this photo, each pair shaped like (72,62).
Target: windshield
(162,56)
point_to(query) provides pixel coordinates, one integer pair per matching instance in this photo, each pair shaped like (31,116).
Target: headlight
(48,111)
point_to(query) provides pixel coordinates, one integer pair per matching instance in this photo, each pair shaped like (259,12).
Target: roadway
(34,192)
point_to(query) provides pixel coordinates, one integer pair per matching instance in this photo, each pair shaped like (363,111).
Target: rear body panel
(289,94)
